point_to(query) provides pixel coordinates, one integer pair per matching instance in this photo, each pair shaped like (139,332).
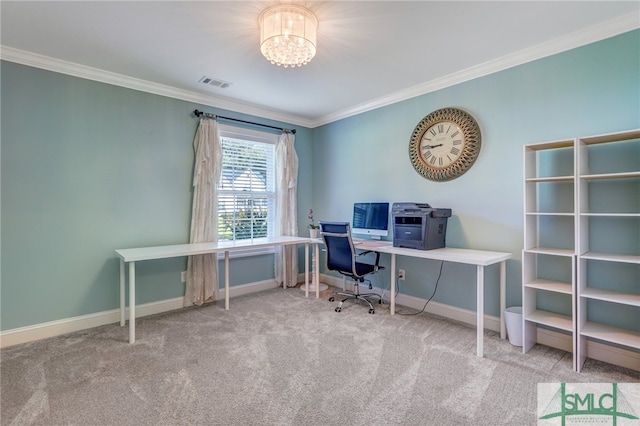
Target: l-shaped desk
(479,258)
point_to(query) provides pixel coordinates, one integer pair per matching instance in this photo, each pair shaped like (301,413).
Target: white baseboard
(613,355)
(595,350)
(56,328)
(554,339)
(458,314)
(242,289)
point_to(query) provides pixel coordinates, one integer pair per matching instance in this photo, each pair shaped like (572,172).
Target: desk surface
(162,252)
(177,250)
(448,254)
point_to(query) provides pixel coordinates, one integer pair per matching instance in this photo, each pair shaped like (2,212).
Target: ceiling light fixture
(288,35)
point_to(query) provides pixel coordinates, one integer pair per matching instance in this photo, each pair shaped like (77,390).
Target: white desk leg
(392,297)
(503,298)
(306,270)
(316,269)
(226,280)
(122,301)
(132,302)
(480,311)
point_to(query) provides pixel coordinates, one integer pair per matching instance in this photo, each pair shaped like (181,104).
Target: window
(246,195)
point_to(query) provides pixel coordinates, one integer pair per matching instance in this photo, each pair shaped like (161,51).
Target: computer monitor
(371,219)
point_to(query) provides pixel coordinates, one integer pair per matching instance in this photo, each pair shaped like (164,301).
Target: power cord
(428,300)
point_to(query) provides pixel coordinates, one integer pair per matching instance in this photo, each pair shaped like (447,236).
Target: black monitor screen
(371,218)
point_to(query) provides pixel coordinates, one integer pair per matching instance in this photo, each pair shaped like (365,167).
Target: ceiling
(370,53)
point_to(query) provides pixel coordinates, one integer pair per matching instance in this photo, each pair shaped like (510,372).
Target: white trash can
(513,322)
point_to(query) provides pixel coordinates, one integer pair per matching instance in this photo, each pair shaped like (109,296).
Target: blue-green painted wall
(586,91)
(89,167)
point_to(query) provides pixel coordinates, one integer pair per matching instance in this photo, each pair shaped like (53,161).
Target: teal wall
(88,167)
(589,90)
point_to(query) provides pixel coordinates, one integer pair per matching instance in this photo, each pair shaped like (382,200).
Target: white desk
(134,255)
(479,258)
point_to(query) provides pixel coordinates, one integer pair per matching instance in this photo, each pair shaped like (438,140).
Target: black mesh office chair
(342,258)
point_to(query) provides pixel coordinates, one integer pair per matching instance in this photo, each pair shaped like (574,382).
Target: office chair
(342,258)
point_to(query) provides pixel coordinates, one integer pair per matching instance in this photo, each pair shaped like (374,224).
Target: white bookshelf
(608,188)
(549,239)
(582,224)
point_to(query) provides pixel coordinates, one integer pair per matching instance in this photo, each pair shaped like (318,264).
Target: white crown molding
(592,34)
(76,70)
(589,35)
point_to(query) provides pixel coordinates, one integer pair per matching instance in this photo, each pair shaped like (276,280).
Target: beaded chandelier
(288,35)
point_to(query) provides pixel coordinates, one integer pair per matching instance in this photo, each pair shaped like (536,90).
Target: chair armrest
(370,251)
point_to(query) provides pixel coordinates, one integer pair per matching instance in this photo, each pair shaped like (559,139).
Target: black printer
(419,226)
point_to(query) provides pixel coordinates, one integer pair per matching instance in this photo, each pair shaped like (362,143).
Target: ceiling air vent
(215,82)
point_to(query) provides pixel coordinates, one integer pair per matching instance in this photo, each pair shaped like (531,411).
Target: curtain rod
(209,115)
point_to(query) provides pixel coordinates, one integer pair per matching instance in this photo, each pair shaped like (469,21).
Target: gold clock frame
(470,151)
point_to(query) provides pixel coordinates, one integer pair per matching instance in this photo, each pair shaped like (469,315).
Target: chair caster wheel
(371,311)
(331,299)
(338,309)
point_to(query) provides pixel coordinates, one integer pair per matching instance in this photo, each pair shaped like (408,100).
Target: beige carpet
(278,358)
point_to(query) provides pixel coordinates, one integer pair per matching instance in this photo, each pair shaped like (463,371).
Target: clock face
(445,144)
(442,144)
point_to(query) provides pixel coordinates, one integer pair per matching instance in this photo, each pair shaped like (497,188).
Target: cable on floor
(428,300)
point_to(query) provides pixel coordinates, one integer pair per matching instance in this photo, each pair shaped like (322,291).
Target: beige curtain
(286,265)
(202,270)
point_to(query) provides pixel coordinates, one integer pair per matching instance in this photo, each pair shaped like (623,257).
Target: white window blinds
(247,194)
